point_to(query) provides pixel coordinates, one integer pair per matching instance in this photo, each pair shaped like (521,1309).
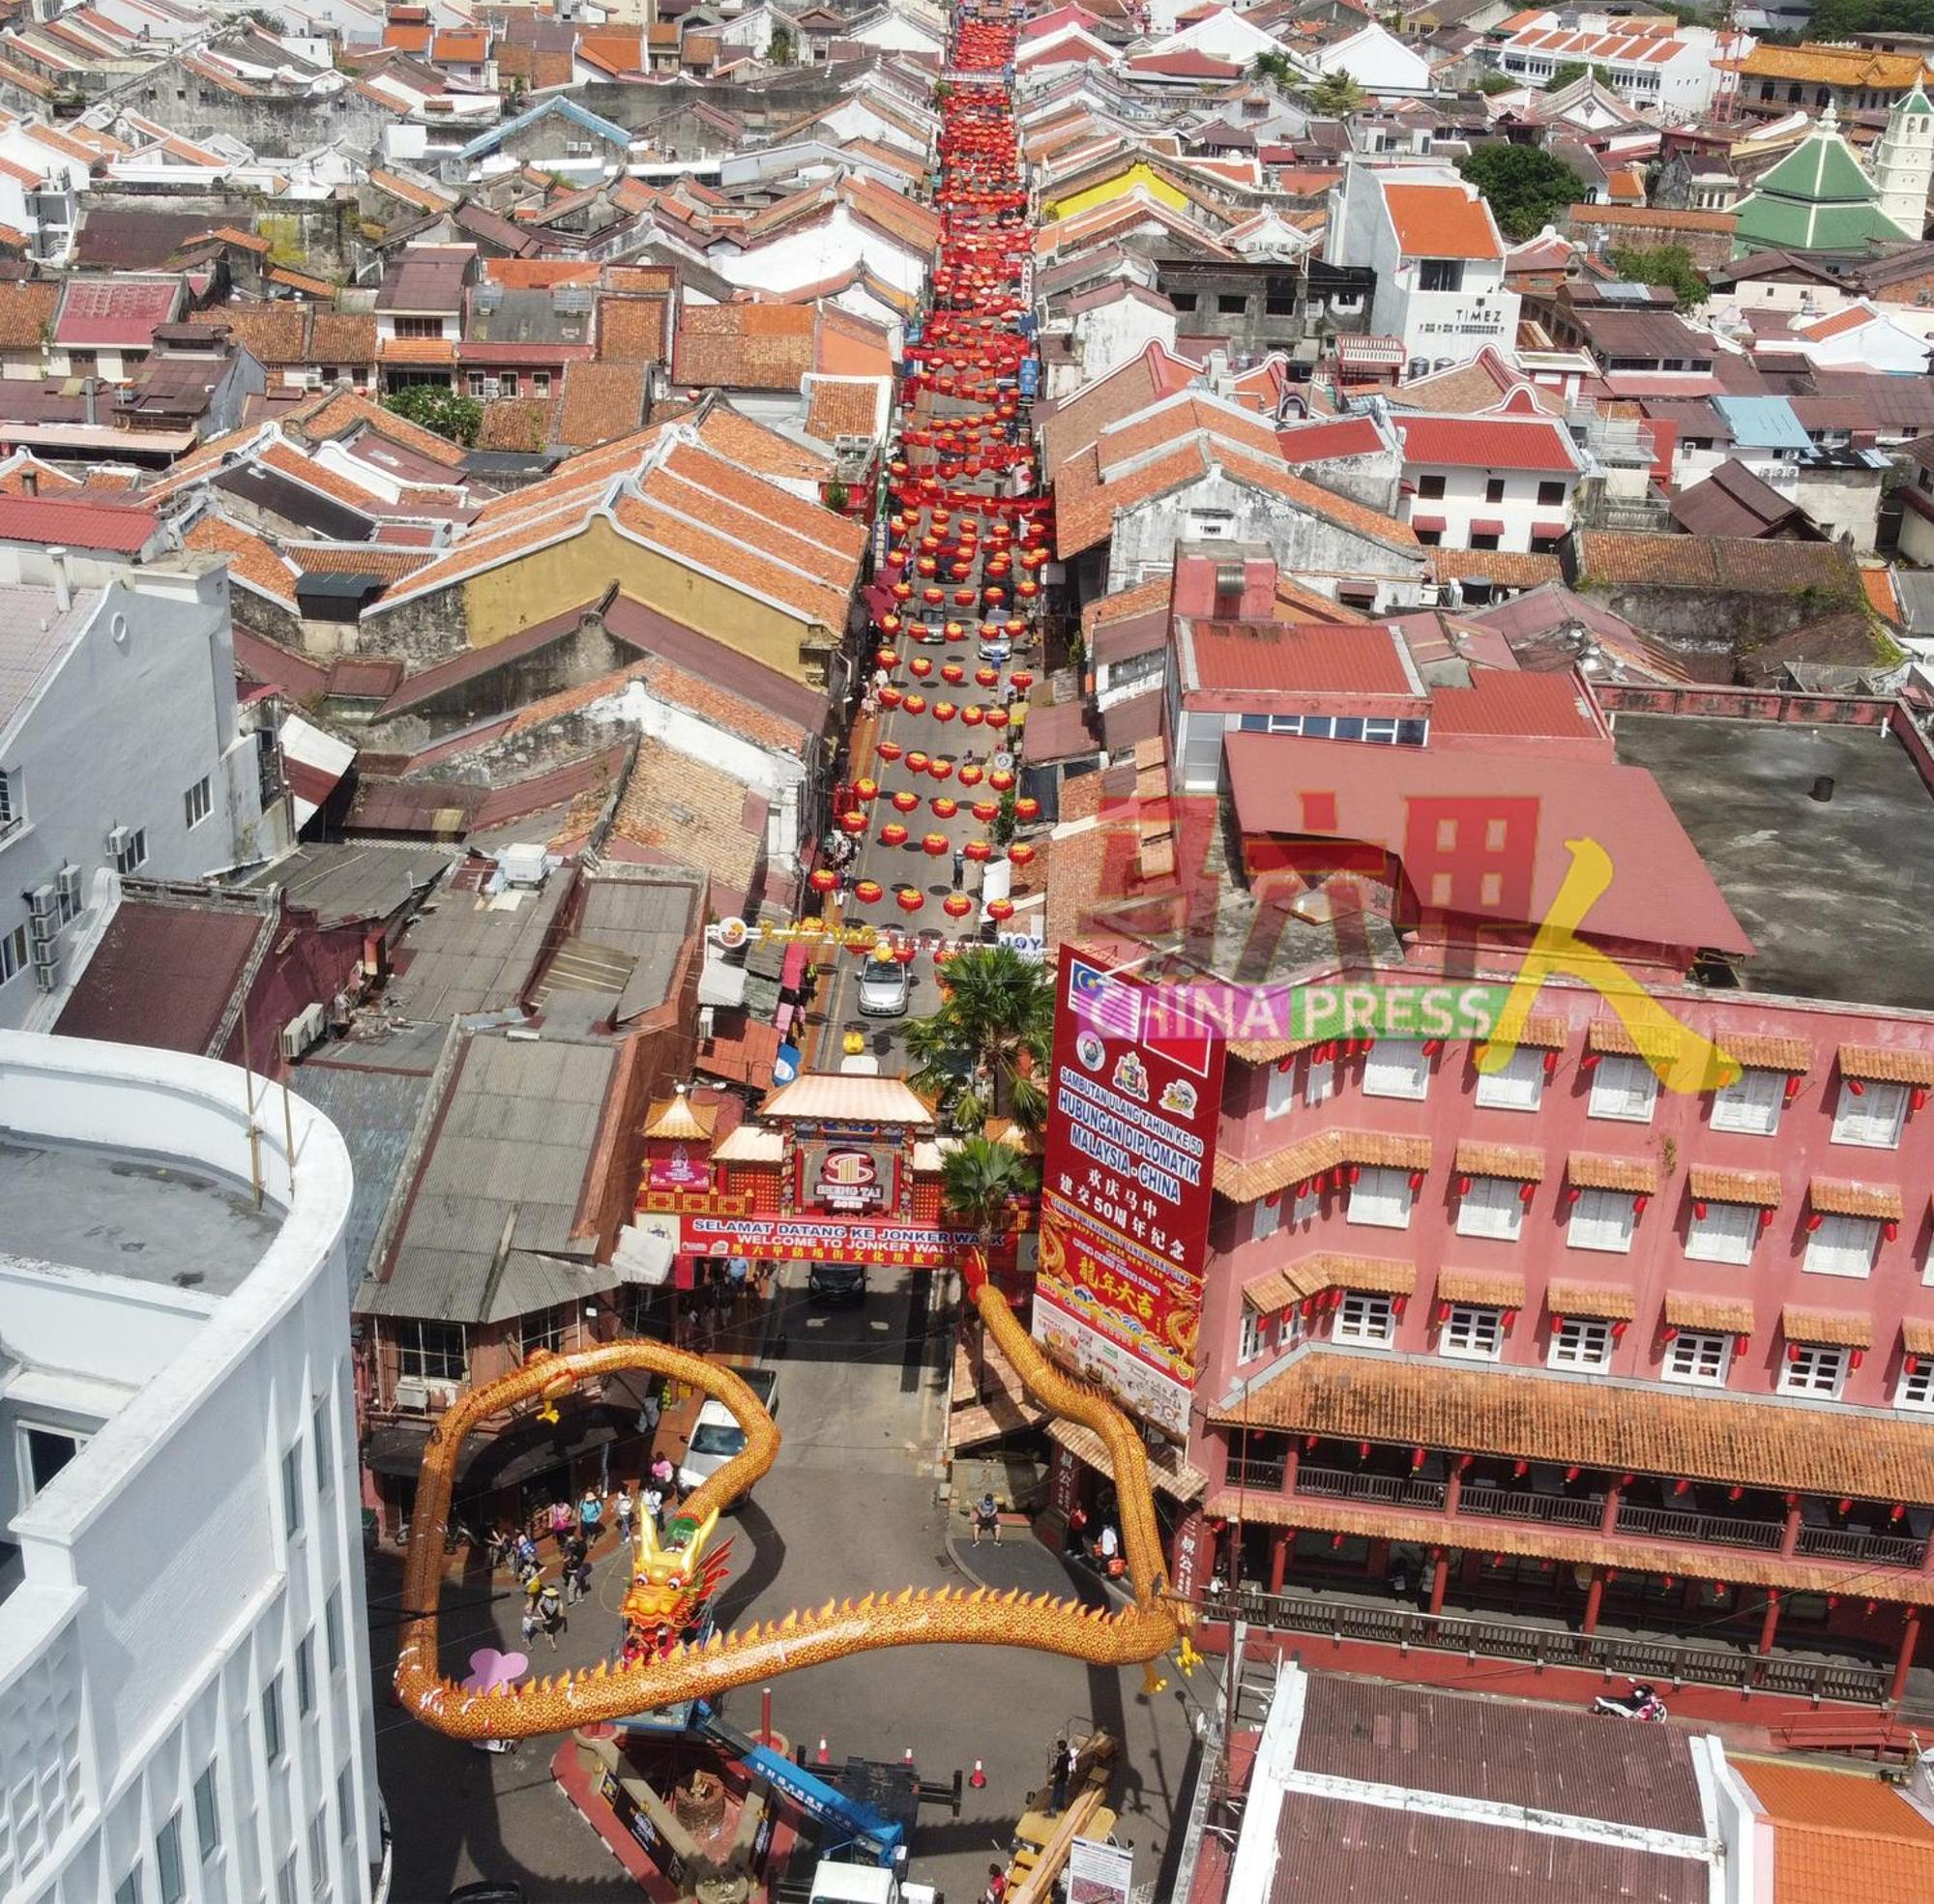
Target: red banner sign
(882,1241)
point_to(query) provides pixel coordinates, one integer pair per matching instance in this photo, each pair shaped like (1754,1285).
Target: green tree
(1567,71)
(1526,188)
(982,1181)
(1336,96)
(435,406)
(1496,82)
(1670,265)
(985,1052)
(1274,67)
(784,49)
(1841,19)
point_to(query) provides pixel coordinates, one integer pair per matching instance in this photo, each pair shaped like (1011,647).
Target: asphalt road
(848,1506)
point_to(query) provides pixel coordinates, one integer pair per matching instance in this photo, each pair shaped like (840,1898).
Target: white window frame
(1472,1331)
(198,802)
(1381,1197)
(510,384)
(1581,1342)
(207,1813)
(1281,1094)
(1698,1358)
(1518,1087)
(1396,1068)
(1366,1319)
(1916,1387)
(1625,1089)
(1842,1247)
(13,953)
(318,1850)
(1871,1118)
(292,1489)
(539,383)
(1602,1220)
(1725,1233)
(332,1630)
(306,1675)
(1751,1104)
(1492,1207)
(1289,1329)
(170,1873)
(1319,1080)
(275,1734)
(1817,1370)
(1306,1207)
(133,856)
(1256,1335)
(1265,1219)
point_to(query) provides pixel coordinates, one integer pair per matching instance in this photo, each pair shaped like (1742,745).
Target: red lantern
(1916,1098)
(905,800)
(886,658)
(1022,854)
(956,905)
(915,703)
(933,845)
(909,898)
(944,710)
(865,791)
(1000,909)
(940,767)
(1526,1191)
(1765,1219)
(921,667)
(971,716)
(905,953)
(1792,1089)
(917,762)
(1027,807)
(1856,1087)
(1813,1221)
(892,833)
(970,776)
(854,822)
(1463,1186)
(890,696)
(1551,1063)
(1022,680)
(1000,779)
(823,879)
(1699,1209)
(978,851)
(943,808)
(868,892)
(953,673)
(985,810)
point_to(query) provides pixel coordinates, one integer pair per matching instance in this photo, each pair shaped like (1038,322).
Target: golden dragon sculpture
(1139,1632)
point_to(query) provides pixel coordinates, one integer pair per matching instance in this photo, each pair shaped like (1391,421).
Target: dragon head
(667,1578)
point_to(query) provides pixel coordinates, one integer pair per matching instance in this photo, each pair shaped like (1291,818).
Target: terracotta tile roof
(1602,1302)
(1835,1328)
(14,480)
(518,423)
(1376,1276)
(1841,1834)
(296,280)
(342,411)
(1745,565)
(1590,1171)
(1509,567)
(631,330)
(763,517)
(843,406)
(1546,1032)
(1611,1034)
(343,338)
(1244,1180)
(1496,1289)
(1124,604)
(250,559)
(276,334)
(391,564)
(686,812)
(1479,1159)
(899,216)
(722,708)
(1769,1054)
(290,461)
(1630,1427)
(417,350)
(1887,1065)
(1442,221)
(1710,1182)
(28,314)
(743,346)
(1177,417)
(424,197)
(721,556)
(600,401)
(1916,1335)
(1841,1197)
(1731,1315)
(1574,1546)
(1085,507)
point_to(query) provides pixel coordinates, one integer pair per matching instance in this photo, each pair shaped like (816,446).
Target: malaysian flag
(1103,1003)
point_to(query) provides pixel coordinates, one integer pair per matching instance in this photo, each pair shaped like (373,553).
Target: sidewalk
(1019,1561)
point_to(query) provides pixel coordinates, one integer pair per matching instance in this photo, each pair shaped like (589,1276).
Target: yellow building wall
(517,595)
(1107,190)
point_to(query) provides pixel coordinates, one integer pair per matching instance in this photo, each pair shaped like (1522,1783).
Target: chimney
(30,482)
(63,588)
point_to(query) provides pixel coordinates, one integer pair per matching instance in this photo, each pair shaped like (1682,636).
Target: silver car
(884,988)
(716,1438)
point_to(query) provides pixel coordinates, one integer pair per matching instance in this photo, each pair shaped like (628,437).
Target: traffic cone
(822,1756)
(978,1778)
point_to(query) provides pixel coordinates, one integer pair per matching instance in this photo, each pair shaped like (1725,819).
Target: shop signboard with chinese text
(884,1240)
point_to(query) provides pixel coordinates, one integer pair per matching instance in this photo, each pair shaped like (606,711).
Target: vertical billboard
(1125,1190)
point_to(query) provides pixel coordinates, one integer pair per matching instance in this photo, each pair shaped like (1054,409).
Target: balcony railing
(1662,1661)
(1845,1544)
(1708,1530)
(1513,1504)
(1392,1491)
(1258,1473)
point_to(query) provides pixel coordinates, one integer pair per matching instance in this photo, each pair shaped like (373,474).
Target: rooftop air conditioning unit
(117,842)
(440,1394)
(43,912)
(70,888)
(851,446)
(412,1393)
(47,964)
(303,1031)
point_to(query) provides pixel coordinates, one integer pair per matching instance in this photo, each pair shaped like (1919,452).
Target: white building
(1384,66)
(1439,261)
(1502,477)
(184,1690)
(1653,63)
(121,745)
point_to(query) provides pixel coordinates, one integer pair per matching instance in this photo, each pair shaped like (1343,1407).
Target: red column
(1594,1596)
(1769,1627)
(1454,1488)
(1279,1557)
(1440,1577)
(1910,1635)
(1789,1535)
(1290,1463)
(1608,1521)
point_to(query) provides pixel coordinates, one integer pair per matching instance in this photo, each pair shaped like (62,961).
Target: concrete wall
(143,710)
(164,1590)
(319,234)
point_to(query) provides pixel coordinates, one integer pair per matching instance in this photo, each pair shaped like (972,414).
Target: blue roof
(1763,423)
(580,115)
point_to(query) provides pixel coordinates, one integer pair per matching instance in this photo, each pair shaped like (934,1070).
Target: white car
(716,1438)
(884,987)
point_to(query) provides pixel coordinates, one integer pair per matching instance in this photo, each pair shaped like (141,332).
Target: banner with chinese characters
(1126,1191)
(885,1242)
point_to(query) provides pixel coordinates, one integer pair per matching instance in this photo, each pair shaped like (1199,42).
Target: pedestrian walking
(590,1513)
(662,1473)
(987,1519)
(550,1614)
(959,868)
(580,1580)
(1057,1770)
(649,1411)
(655,1501)
(623,1509)
(530,1625)
(997,1886)
(562,1521)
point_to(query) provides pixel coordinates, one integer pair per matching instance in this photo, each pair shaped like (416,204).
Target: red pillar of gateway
(1910,1635)
(1594,1596)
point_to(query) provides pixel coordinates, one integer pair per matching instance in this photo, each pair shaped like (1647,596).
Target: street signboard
(1099,1873)
(1126,1191)
(785,1064)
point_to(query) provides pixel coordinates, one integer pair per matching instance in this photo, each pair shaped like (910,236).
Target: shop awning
(521,1452)
(1427,525)
(1166,1468)
(1486,525)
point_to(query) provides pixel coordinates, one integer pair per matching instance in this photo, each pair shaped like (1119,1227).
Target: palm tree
(985,1052)
(982,1180)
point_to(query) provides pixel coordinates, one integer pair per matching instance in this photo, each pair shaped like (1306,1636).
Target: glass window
(545,1329)
(1281,1090)
(1518,1086)
(1472,1333)
(207,1816)
(430,1351)
(197,802)
(128,1889)
(1699,1356)
(1396,1068)
(272,1720)
(323,1444)
(1494,490)
(1915,1386)
(306,1675)
(1370,1320)
(1551,495)
(1306,1207)
(331,1629)
(1493,1207)
(1255,1335)
(1750,1105)
(1381,1197)
(132,854)
(1264,1217)
(1842,1247)
(47,1452)
(1624,1088)
(1580,1343)
(1869,1114)
(292,1499)
(168,1860)
(1725,1233)
(1602,1219)
(1813,1371)
(346,1805)
(1430,488)
(285,1881)
(1319,1081)
(318,1851)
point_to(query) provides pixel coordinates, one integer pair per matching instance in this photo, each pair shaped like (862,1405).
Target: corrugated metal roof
(1763,423)
(1307,658)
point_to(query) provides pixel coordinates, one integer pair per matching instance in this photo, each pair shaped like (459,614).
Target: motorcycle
(1642,1702)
